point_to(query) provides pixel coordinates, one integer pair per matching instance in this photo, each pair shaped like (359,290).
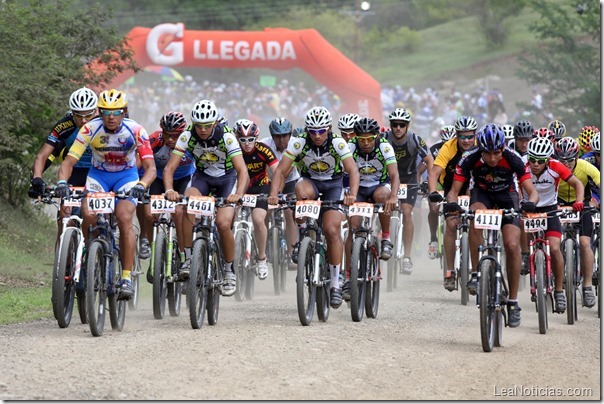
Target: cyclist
(446,133)
(259,158)
(442,174)
(593,157)
(162,142)
(407,147)
(495,171)
(321,155)
(83,108)
(281,132)
(546,174)
(523,132)
(220,169)
(508,131)
(378,183)
(585,136)
(114,141)
(558,128)
(567,151)
(346,125)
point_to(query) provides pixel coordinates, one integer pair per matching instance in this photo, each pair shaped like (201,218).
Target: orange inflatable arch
(274,48)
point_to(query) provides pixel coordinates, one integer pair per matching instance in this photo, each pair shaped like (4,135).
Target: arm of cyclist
(452,205)
(278,181)
(533,196)
(351,168)
(150,172)
(579,192)
(168,175)
(243,179)
(394,184)
(433,176)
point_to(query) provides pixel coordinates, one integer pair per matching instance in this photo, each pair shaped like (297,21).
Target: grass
(24,303)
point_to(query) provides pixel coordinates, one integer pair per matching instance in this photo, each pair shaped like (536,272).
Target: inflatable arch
(273,48)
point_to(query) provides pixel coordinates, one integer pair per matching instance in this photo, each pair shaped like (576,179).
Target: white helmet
(318,117)
(540,147)
(508,131)
(595,142)
(400,114)
(83,99)
(447,132)
(204,111)
(347,121)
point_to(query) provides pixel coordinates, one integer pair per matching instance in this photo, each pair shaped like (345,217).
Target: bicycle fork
(79,254)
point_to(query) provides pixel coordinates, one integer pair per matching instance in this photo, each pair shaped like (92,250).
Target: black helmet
(523,129)
(366,125)
(280,126)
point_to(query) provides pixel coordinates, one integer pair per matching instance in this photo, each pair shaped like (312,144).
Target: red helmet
(544,132)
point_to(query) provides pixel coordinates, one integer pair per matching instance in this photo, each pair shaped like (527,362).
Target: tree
(492,16)
(47,48)
(567,62)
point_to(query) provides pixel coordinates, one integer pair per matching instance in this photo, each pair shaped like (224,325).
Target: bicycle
(365,272)
(165,259)
(246,250)
(207,261)
(277,248)
(492,291)
(571,253)
(313,278)
(462,266)
(67,278)
(103,265)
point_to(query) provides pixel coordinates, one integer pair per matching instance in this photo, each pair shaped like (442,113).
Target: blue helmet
(491,137)
(280,126)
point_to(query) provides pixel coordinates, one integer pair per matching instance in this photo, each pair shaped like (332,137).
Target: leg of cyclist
(353,224)
(557,262)
(124,214)
(433,223)
(260,233)
(331,228)
(449,247)
(475,239)
(587,262)
(525,252)
(224,220)
(511,242)
(407,237)
(381,195)
(142,213)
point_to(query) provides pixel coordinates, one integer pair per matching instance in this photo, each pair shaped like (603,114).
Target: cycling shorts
(179,185)
(365,194)
(220,187)
(116,181)
(554,227)
(261,189)
(497,200)
(330,190)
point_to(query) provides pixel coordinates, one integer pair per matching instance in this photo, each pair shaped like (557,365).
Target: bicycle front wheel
(394,262)
(63,285)
(358,270)
(305,290)
(464,268)
(197,286)
(372,284)
(134,277)
(275,247)
(541,285)
(239,266)
(214,289)
(96,290)
(117,308)
(174,288)
(570,264)
(160,282)
(488,291)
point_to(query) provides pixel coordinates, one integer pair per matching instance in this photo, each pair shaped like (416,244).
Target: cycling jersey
(320,163)
(447,159)
(435,148)
(372,165)
(500,178)
(257,162)
(406,155)
(213,156)
(62,137)
(293,174)
(112,151)
(589,177)
(595,190)
(162,154)
(546,184)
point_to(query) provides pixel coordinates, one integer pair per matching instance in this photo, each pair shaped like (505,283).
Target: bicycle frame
(491,250)
(243,222)
(539,242)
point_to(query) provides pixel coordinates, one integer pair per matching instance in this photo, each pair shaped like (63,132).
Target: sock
(187,253)
(335,274)
(126,274)
(386,235)
(228,266)
(182,256)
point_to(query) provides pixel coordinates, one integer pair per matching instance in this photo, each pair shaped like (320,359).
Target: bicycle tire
(283,269)
(305,291)
(372,285)
(117,308)
(487,304)
(323,291)
(174,294)
(239,266)
(358,268)
(250,273)
(464,269)
(569,280)
(596,278)
(197,286)
(275,249)
(63,285)
(541,285)
(160,282)
(96,293)
(213,304)
(392,266)
(134,277)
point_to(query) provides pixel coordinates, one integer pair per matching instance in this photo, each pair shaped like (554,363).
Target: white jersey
(294,174)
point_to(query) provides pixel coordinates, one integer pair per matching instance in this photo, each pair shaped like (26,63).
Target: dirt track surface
(423,345)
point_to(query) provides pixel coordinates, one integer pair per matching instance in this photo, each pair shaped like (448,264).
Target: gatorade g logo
(164,44)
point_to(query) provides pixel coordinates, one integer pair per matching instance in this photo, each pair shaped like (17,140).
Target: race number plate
(308,209)
(361,209)
(571,216)
(201,205)
(160,205)
(488,219)
(101,202)
(596,217)
(74,202)
(402,191)
(249,200)
(463,201)
(535,222)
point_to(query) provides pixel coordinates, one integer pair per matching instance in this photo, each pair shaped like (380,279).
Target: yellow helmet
(113,99)
(585,136)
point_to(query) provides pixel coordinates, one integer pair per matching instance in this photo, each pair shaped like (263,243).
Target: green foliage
(46,48)
(567,61)
(24,304)
(492,19)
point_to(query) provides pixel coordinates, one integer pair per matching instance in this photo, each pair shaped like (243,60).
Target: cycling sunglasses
(87,116)
(466,137)
(250,139)
(317,131)
(537,160)
(399,124)
(204,125)
(114,112)
(366,139)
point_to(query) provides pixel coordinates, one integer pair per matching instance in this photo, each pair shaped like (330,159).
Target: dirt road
(423,345)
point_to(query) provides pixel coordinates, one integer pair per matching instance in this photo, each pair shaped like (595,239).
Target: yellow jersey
(588,174)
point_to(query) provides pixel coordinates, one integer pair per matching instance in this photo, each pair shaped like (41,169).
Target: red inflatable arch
(273,48)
